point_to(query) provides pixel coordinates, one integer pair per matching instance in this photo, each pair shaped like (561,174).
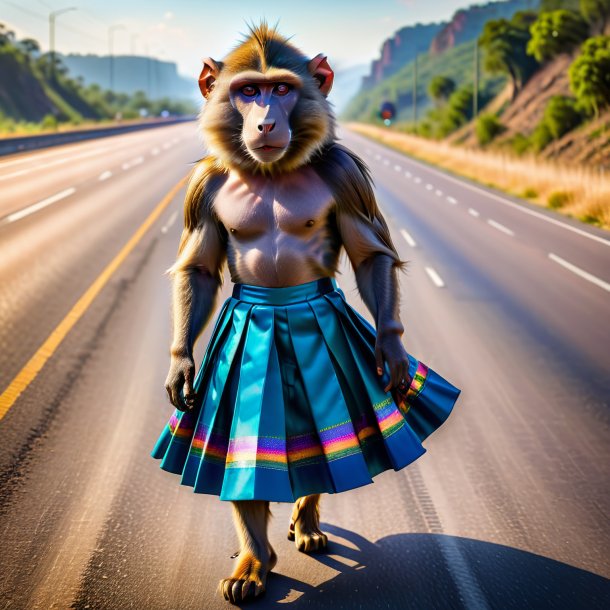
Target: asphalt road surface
(507,509)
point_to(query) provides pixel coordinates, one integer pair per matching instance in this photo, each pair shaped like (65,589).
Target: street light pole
(52,16)
(111,31)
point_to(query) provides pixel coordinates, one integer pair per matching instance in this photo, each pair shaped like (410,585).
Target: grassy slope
(457,63)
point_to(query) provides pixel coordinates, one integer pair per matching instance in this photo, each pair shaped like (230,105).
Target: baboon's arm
(196,279)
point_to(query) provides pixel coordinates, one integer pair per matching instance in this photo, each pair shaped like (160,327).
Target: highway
(509,507)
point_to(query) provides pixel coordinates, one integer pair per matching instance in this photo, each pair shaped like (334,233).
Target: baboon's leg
(305,525)
(256,556)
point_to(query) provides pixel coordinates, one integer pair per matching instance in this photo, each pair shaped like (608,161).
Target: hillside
(456,63)
(37,93)
(465,25)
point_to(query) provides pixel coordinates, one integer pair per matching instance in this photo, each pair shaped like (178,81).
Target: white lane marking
(408,238)
(105,175)
(166,145)
(386,162)
(435,277)
(377,157)
(170,222)
(429,187)
(398,168)
(452,200)
(439,192)
(21,172)
(417,179)
(473,212)
(512,204)
(155,151)
(38,206)
(497,225)
(133,163)
(581,272)
(408,174)
(367,151)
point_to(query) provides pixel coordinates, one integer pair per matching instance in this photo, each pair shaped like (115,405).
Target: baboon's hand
(389,347)
(179,383)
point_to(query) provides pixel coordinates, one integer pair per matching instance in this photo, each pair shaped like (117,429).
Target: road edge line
(35,364)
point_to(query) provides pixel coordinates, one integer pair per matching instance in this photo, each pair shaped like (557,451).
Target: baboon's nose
(266,126)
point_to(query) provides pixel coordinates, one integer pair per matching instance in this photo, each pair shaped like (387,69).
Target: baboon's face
(265,103)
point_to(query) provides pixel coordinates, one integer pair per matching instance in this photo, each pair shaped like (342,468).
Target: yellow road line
(28,373)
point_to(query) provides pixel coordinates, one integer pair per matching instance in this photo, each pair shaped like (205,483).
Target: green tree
(556,32)
(596,12)
(505,46)
(590,74)
(440,88)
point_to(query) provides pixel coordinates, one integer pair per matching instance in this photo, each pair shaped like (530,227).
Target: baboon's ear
(318,67)
(209,73)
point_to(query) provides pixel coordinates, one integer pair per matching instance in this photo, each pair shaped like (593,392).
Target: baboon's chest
(253,207)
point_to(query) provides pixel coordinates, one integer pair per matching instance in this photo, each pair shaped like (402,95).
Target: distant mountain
(465,25)
(133,73)
(399,50)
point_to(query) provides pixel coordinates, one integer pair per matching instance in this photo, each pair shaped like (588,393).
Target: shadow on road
(435,571)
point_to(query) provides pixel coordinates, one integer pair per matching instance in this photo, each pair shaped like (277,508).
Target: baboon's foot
(304,527)
(249,578)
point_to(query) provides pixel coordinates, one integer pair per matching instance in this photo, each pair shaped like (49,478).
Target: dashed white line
(435,277)
(408,174)
(452,200)
(367,151)
(104,176)
(398,168)
(517,206)
(429,187)
(40,205)
(408,238)
(61,161)
(417,179)
(473,212)
(155,151)
(386,162)
(497,225)
(170,222)
(166,145)
(580,272)
(377,157)
(133,163)
(439,192)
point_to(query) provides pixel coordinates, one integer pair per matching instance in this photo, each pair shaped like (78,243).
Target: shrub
(541,137)
(529,193)
(49,122)
(561,115)
(487,128)
(558,199)
(520,143)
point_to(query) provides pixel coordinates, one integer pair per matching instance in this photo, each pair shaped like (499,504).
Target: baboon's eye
(282,89)
(249,90)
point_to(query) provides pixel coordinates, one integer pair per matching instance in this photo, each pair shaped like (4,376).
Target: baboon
(297,393)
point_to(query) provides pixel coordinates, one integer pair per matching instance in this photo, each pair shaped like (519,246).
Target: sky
(350,32)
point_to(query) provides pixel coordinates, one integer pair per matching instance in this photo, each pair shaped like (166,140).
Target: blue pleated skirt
(289,402)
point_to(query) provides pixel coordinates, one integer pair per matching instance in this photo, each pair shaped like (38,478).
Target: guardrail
(10,146)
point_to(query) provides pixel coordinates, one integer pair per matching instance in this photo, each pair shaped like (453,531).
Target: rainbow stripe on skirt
(289,402)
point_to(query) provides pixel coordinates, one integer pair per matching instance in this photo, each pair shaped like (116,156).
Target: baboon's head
(266,108)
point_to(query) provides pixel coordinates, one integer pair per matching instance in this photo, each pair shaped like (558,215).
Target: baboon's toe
(238,590)
(310,542)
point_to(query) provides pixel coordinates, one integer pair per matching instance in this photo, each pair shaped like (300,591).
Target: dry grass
(585,192)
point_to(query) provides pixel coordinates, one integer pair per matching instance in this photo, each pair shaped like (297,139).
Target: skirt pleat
(289,402)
